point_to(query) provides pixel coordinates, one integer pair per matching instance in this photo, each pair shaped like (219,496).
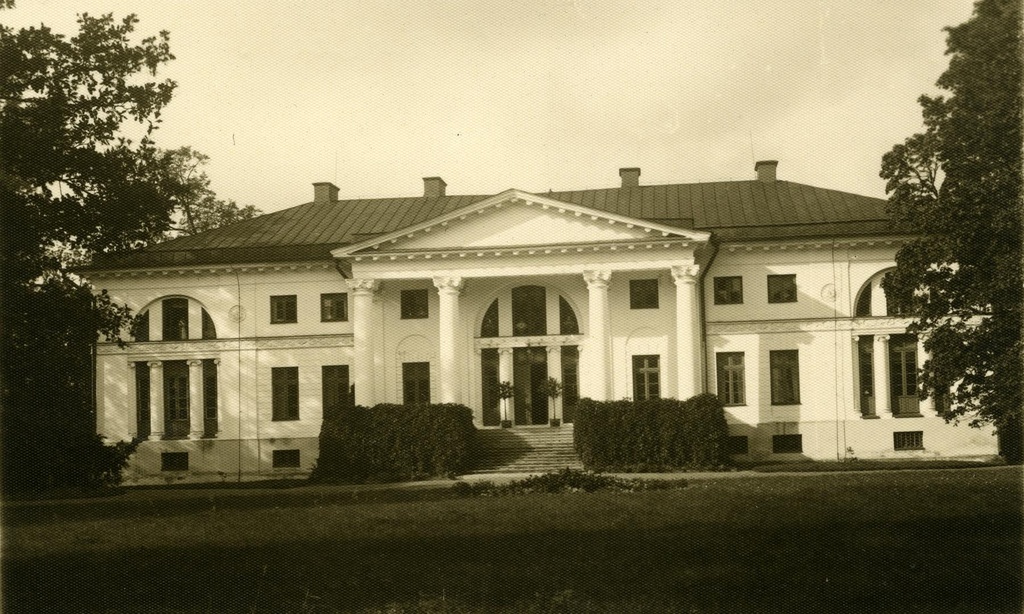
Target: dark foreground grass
(927,541)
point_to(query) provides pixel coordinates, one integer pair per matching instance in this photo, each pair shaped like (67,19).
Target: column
(597,382)
(448,291)
(363,291)
(156,400)
(555,371)
(880,373)
(927,406)
(689,358)
(505,375)
(195,399)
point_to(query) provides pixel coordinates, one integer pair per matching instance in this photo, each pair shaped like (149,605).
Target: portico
(522,290)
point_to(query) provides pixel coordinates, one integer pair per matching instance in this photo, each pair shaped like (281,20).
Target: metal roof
(732,210)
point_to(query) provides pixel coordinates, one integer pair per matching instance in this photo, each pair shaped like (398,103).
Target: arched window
(567,322)
(863,309)
(173,323)
(489,327)
(873,300)
(529,311)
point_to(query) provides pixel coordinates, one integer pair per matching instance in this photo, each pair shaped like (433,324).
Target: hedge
(654,435)
(394,442)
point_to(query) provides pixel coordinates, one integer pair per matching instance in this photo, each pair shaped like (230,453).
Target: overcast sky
(534,94)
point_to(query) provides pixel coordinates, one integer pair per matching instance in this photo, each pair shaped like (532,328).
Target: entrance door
(530,372)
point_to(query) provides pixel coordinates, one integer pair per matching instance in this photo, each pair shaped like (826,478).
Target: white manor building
(765,292)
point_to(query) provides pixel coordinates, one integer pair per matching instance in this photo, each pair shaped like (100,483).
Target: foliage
(394,442)
(565,481)
(197,208)
(958,186)
(652,435)
(72,184)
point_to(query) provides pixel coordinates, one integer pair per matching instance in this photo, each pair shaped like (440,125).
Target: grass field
(901,541)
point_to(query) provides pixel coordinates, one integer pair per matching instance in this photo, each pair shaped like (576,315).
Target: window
(908,440)
(209,398)
(416,383)
(785,376)
(863,307)
(567,322)
(414,304)
(142,427)
(140,328)
(738,444)
(175,324)
(782,288)
(334,307)
(529,310)
(643,294)
(174,461)
(209,330)
(646,376)
(903,375)
(337,394)
(176,399)
(787,444)
(284,383)
(489,327)
(728,290)
(570,382)
(286,458)
(730,378)
(283,309)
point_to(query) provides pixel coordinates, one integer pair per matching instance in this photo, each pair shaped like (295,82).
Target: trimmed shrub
(388,443)
(653,435)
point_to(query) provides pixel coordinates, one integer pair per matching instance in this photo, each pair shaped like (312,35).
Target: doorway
(530,373)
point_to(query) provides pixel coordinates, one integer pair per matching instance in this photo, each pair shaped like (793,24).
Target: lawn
(902,541)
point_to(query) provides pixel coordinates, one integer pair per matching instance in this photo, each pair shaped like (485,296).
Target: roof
(731,210)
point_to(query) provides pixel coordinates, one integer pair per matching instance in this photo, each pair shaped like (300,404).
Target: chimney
(765,169)
(325,192)
(630,177)
(433,187)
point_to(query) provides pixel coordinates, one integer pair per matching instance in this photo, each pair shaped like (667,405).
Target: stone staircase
(524,449)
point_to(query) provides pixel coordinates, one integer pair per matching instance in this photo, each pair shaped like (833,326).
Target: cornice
(525,251)
(854,326)
(801,245)
(164,349)
(210,270)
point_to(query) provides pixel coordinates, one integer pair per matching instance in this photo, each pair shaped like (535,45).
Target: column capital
(363,286)
(155,363)
(195,362)
(597,279)
(685,273)
(449,285)
(882,337)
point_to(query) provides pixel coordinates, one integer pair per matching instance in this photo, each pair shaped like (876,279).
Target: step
(529,449)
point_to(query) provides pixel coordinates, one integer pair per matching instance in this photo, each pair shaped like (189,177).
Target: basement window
(787,444)
(286,458)
(738,444)
(174,461)
(908,440)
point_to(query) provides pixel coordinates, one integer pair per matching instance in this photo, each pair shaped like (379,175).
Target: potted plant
(553,389)
(505,392)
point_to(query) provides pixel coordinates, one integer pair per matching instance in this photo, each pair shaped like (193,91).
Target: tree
(958,186)
(197,208)
(72,183)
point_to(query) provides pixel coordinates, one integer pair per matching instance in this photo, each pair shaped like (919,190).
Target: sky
(533,94)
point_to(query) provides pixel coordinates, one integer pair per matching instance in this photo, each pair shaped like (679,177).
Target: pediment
(518,219)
